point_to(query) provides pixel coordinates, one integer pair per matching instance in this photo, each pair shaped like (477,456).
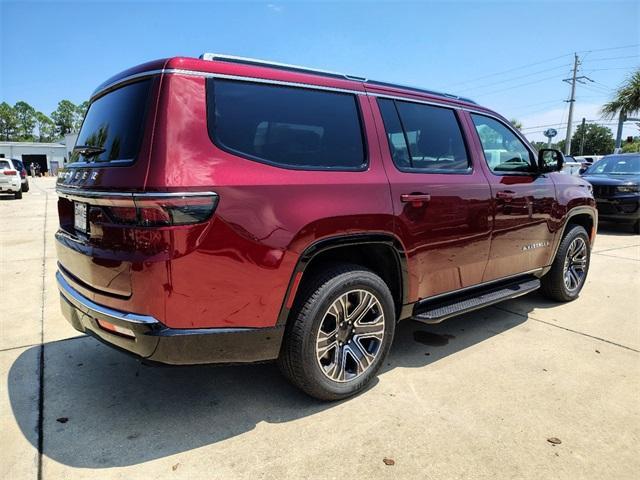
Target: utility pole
(584,134)
(574,78)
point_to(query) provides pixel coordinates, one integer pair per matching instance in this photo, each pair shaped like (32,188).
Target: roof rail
(297,68)
(284,66)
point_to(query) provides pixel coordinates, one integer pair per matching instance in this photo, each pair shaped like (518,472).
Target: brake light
(23,173)
(10,172)
(161,211)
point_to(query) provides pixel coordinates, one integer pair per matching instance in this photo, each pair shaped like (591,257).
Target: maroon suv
(224,210)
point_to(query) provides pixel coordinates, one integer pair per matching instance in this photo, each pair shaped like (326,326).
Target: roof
(230,66)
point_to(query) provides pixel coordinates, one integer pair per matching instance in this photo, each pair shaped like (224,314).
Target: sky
(510,56)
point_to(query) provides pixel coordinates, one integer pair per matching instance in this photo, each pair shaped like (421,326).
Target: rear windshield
(114,123)
(4,164)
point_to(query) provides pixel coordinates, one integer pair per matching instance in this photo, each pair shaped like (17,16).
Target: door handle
(506,195)
(415,197)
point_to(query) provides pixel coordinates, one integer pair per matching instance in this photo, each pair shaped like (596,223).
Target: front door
(524,200)
(441,201)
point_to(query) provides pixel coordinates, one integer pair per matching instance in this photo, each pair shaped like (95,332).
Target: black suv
(616,187)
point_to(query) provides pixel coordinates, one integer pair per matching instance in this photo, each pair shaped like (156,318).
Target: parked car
(587,161)
(571,165)
(24,178)
(616,187)
(10,178)
(226,210)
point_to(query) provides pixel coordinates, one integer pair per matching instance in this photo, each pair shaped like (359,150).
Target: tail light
(23,173)
(10,172)
(164,210)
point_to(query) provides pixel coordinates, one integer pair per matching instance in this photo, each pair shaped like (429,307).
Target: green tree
(81,111)
(516,123)
(26,115)
(64,117)
(598,140)
(46,127)
(626,99)
(8,122)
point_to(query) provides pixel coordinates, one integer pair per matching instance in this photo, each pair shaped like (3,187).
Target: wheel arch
(585,216)
(354,248)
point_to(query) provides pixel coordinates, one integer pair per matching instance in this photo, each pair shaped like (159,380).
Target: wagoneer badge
(531,246)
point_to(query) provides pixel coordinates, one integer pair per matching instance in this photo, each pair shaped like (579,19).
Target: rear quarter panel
(236,272)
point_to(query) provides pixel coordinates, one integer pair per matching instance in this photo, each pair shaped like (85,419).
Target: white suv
(10,181)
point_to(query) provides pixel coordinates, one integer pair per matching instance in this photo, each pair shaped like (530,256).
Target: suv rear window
(286,126)
(114,122)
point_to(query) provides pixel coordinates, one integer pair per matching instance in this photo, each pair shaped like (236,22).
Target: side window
(424,138)
(504,152)
(286,126)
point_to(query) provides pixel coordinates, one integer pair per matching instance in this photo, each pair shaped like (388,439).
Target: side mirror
(550,160)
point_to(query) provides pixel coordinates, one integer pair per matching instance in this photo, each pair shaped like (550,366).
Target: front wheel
(570,267)
(339,332)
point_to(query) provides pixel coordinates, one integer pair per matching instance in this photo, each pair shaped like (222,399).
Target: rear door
(524,200)
(441,200)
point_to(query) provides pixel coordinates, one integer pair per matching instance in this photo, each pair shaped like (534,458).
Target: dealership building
(50,156)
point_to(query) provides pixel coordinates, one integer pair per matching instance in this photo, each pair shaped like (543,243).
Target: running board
(437,310)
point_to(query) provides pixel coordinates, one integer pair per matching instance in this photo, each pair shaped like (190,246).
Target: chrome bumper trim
(90,308)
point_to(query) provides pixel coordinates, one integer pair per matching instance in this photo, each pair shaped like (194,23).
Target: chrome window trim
(73,192)
(90,308)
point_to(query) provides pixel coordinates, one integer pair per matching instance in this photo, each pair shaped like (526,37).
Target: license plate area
(80,217)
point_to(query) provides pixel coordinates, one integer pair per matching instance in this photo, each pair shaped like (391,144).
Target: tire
(312,319)
(25,187)
(636,227)
(555,284)
(18,194)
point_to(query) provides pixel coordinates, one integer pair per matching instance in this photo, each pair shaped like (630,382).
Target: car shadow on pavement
(104,409)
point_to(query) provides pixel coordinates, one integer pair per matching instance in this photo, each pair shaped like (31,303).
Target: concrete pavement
(476,397)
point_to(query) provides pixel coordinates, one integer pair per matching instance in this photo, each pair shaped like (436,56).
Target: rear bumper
(156,343)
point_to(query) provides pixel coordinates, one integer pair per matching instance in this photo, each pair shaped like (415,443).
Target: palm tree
(626,101)
(516,123)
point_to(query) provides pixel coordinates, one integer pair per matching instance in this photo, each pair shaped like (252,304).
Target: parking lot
(528,388)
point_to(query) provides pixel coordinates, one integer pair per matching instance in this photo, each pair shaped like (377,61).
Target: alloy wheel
(350,335)
(575,264)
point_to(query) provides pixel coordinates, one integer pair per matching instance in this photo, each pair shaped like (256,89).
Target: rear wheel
(25,187)
(18,194)
(636,227)
(339,332)
(570,267)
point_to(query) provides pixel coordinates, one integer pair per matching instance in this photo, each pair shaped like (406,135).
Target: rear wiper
(88,150)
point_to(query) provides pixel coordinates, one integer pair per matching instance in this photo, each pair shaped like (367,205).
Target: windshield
(113,125)
(616,165)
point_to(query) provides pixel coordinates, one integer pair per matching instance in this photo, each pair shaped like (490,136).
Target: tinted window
(114,122)
(5,164)
(18,164)
(292,127)
(423,137)
(503,150)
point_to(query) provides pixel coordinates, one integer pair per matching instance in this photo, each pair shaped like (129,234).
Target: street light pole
(584,134)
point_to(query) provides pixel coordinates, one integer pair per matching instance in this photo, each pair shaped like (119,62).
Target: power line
(517,78)
(517,86)
(606,59)
(611,48)
(512,69)
(622,47)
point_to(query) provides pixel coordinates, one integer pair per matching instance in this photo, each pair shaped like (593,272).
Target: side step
(438,310)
